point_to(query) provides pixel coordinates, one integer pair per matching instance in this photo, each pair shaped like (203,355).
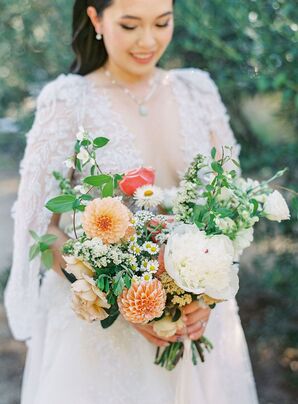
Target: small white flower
(150,247)
(83,156)
(144,265)
(134,248)
(148,196)
(276,208)
(81,189)
(81,135)
(69,163)
(225,224)
(147,277)
(152,266)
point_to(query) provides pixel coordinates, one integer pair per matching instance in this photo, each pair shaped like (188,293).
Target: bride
(153,117)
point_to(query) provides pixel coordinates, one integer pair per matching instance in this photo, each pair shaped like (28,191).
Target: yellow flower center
(149,192)
(104,223)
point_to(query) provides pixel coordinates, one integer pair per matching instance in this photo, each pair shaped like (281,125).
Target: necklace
(141,102)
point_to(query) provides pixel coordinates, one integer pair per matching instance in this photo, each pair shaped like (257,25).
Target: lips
(143,57)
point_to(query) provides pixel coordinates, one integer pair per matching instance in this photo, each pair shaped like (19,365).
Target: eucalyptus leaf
(34,251)
(34,235)
(97,180)
(48,239)
(108,189)
(100,142)
(61,204)
(47,259)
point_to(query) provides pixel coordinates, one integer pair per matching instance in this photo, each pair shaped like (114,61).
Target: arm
(49,143)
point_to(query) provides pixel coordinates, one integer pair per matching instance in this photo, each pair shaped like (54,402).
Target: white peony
(166,328)
(201,264)
(276,208)
(243,240)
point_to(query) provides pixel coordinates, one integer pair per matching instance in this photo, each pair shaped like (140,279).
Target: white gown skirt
(70,361)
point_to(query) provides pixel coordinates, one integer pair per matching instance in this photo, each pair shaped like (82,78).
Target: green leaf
(77,147)
(34,235)
(100,142)
(48,239)
(217,167)
(43,246)
(81,208)
(177,315)
(85,142)
(118,287)
(97,180)
(34,251)
(127,281)
(78,165)
(61,204)
(236,163)
(209,188)
(117,178)
(47,259)
(86,197)
(70,277)
(110,320)
(108,189)
(76,204)
(256,205)
(213,152)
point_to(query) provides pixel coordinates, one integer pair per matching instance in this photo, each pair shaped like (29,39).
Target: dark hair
(90,54)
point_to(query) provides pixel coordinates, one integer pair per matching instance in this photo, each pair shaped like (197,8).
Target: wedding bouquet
(128,258)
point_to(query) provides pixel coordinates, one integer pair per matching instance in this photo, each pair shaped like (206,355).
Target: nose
(147,39)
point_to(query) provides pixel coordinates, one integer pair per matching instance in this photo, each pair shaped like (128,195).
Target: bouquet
(128,258)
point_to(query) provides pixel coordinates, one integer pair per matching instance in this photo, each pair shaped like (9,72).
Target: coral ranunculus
(134,179)
(107,218)
(143,301)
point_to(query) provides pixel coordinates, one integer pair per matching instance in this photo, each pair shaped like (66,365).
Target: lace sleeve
(49,143)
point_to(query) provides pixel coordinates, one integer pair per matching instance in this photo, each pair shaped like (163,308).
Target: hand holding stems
(195,318)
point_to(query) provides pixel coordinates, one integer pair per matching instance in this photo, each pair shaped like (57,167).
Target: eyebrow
(132,17)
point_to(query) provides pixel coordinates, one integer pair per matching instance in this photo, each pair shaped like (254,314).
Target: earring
(98,36)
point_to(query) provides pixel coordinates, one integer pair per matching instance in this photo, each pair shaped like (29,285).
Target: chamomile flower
(133,238)
(144,265)
(152,266)
(133,263)
(147,277)
(148,196)
(134,248)
(150,247)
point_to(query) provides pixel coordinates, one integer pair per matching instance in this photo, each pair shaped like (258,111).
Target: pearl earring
(98,36)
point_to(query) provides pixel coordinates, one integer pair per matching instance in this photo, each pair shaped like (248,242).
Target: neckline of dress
(117,117)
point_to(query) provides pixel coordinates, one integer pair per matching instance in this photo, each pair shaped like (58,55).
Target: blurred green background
(250,48)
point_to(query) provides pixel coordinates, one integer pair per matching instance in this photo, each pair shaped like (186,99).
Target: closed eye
(132,27)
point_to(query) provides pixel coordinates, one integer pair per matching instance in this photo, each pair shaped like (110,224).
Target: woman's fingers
(197,327)
(196,316)
(189,308)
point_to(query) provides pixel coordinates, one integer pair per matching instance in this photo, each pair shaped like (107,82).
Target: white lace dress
(73,362)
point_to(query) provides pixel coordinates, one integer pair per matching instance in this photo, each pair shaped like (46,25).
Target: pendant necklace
(141,102)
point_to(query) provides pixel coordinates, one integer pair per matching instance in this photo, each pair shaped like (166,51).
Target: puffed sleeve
(49,143)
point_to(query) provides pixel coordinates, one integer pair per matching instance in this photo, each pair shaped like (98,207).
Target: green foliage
(42,246)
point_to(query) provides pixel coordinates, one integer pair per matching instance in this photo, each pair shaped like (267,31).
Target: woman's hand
(147,331)
(196,319)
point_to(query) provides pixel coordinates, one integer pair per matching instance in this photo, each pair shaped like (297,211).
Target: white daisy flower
(152,266)
(133,238)
(144,265)
(148,196)
(150,247)
(136,278)
(134,248)
(147,277)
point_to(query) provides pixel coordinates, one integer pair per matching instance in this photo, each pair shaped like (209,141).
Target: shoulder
(66,88)
(196,79)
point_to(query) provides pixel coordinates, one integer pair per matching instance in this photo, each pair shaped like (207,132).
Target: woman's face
(136,33)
